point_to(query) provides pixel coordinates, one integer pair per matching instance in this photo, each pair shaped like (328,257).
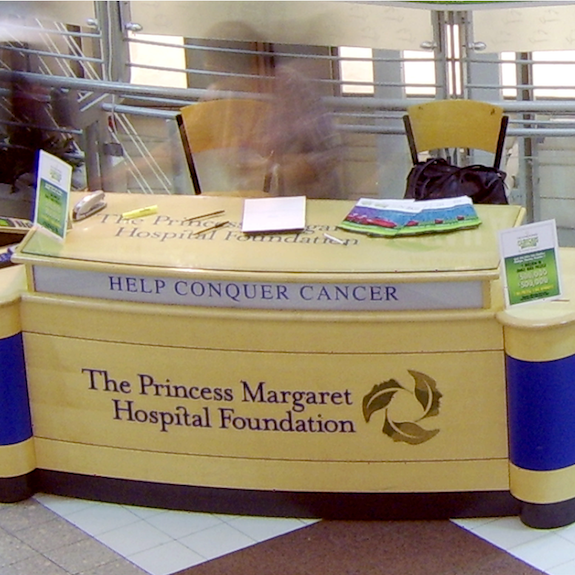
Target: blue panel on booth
(15,422)
(541,413)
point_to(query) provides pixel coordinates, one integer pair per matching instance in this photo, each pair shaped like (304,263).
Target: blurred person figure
(29,120)
(298,141)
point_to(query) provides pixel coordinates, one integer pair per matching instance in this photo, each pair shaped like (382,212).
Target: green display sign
(530,264)
(52,195)
(532,276)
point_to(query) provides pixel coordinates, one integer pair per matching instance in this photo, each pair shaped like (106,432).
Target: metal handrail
(183,96)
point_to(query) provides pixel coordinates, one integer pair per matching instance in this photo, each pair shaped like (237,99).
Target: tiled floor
(50,535)
(551,551)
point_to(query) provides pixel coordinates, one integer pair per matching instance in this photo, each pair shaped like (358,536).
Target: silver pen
(334,239)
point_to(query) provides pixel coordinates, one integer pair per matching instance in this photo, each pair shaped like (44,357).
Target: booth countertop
(165,241)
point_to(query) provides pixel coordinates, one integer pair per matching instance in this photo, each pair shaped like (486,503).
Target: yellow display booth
(282,374)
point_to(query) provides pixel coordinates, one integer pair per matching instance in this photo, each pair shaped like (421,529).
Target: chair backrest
(226,125)
(456,124)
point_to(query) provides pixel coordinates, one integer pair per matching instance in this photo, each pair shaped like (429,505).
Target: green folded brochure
(393,218)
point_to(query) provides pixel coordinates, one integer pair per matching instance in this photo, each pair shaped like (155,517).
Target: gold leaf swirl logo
(396,401)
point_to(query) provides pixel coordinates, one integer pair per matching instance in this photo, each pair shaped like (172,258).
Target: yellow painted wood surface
(12,284)
(544,331)
(275,474)
(164,241)
(542,487)
(158,355)
(168,393)
(17,459)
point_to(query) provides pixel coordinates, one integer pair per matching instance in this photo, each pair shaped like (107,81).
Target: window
(419,73)
(155,61)
(553,74)
(356,65)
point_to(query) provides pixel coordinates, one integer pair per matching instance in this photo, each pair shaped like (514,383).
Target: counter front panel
(374,367)
(377,417)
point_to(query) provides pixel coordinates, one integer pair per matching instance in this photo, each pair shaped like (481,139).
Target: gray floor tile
(51,534)
(119,567)
(82,556)
(35,565)
(12,549)
(36,541)
(23,515)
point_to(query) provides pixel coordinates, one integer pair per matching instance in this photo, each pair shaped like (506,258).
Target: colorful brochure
(530,263)
(392,218)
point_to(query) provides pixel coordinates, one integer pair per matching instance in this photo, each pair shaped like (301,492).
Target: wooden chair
(231,126)
(456,124)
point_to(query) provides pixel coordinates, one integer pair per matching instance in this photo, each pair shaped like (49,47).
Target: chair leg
(410,139)
(188,154)
(501,142)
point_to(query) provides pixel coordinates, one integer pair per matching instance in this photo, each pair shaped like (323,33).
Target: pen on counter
(140,212)
(216,213)
(218,225)
(334,239)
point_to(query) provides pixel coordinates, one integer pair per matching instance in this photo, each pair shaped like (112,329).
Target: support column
(17,457)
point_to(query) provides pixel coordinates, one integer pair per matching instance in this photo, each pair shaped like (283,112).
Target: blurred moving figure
(32,118)
(298,142)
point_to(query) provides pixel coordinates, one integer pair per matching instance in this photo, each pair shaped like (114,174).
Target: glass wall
(122,71)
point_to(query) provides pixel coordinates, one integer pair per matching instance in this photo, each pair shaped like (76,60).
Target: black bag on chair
(436,178)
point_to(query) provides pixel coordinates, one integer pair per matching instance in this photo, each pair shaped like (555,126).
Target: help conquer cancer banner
(260,295)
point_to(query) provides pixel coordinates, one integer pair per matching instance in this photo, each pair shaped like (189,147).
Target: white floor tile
(217,541)
(135,538)
(507,532)
(545,552)
(98,519)
(567,532)
(308,521)
(262,528)
(564,569)
(166,559)
(227,517)
(178,524)
(143,512)
(473,523)
(63,506)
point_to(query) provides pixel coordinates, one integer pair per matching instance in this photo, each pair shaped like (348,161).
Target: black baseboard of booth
(351,506)
(548,515)
(13,489)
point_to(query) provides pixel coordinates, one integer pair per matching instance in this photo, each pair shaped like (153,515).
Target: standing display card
(530,263)
(51,211)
